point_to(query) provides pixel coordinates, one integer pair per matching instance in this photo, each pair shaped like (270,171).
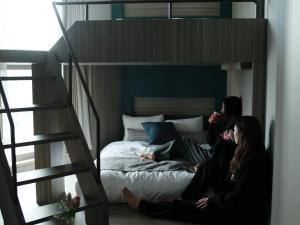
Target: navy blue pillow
(160,132)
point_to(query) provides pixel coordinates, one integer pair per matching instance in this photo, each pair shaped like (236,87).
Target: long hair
(250,140)
(233,108)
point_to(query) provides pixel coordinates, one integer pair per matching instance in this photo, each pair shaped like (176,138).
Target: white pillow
(188,125)
(136,122)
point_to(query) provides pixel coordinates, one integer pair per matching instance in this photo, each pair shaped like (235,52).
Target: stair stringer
(9,203)
(67,121)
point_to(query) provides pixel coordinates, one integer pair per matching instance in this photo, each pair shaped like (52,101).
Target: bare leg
(132,200)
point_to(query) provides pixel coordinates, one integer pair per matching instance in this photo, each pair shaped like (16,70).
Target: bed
(150,185)
(151,180)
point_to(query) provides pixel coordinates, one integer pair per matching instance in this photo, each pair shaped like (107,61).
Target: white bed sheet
(153,186)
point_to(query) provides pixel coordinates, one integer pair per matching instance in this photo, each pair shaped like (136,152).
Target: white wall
(100,12)
(240,83)
(282,106)
(285,18)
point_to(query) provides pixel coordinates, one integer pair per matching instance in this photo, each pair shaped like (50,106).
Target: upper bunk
(166,41)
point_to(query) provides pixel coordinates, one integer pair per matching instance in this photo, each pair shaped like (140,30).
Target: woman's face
(222,109)
(236,135)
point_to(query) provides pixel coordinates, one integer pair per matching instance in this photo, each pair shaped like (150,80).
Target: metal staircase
(55,122)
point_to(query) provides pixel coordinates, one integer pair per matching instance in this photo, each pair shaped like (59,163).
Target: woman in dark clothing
(212,174)
(245,197)
(220,125)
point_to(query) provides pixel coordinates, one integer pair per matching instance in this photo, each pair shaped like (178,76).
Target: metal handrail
(73,58)
(12,139)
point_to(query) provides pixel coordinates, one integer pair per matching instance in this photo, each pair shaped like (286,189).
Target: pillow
(160,132)
(141,135)
(135,122)
(191,124)
(137,135)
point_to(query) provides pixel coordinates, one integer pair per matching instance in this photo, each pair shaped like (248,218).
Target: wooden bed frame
(174,42)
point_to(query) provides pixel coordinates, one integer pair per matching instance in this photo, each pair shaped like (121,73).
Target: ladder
(55,121)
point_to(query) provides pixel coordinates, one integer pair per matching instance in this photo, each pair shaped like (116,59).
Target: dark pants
(208,176)
(182,210)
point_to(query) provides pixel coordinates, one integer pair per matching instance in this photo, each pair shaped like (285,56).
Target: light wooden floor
(122,214)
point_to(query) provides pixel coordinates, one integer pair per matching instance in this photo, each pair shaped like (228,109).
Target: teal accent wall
(117,11)
(225,9)
(172,81)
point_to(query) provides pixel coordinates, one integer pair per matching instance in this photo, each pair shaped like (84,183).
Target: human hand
(214,117)
(202,203)
(227,135)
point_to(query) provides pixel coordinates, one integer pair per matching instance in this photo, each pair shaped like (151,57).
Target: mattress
(153,186)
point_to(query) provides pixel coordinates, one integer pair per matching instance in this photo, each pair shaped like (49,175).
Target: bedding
(151,185)
(133,122)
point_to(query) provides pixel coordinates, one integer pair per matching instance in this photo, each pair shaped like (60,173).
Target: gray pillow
(140,135)
(137,135)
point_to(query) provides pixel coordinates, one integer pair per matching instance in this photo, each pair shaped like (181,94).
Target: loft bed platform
(164,41)
(169,41)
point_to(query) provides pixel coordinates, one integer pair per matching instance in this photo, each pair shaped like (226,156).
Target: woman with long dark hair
(245,197)
(212,174)
(220,129)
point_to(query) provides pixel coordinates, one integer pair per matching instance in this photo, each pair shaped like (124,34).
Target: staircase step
(5,78)
(46,212)
(41,139)
(51,222)
(49,173)
(34,107)
(22,56)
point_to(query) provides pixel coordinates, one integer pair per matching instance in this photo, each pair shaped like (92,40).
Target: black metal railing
(73,58)
(12,139)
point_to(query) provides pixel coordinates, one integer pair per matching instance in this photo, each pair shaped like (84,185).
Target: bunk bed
(144,42)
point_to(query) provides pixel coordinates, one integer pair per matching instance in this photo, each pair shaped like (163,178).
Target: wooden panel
(188,41)
(105,87)
(181,9)
(107,97)
(173,106)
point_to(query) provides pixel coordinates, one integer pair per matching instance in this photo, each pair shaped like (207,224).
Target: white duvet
(153,186)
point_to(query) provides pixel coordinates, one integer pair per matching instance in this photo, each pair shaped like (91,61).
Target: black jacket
(246,196)
(212,174)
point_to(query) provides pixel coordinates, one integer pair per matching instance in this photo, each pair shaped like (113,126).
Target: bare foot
(194,169)
(197,167)
(150,156)
(132,200)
